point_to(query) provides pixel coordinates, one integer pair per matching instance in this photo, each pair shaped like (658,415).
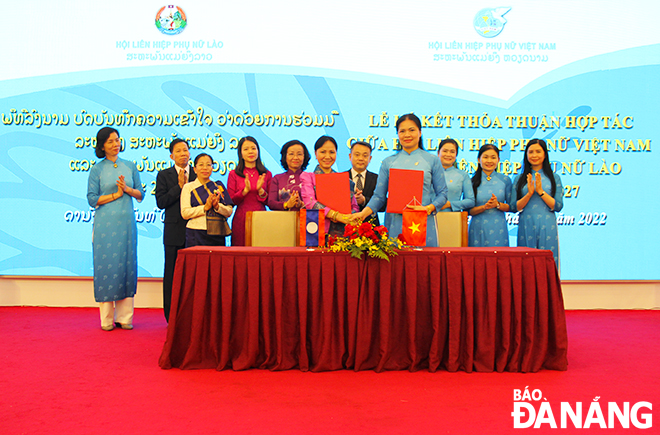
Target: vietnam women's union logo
(489,22)
(171,20)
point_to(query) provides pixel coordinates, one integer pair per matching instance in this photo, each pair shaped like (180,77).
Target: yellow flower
(383,248)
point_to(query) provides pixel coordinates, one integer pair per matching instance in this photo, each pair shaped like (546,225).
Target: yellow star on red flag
(413,227)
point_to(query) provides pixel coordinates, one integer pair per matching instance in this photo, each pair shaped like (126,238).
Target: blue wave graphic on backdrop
(632,57)
(629,91)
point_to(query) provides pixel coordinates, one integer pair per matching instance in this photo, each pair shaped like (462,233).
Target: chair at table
(271,228)
(452,229)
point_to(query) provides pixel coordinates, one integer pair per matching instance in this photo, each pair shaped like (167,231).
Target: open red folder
(334,191)
(404,185)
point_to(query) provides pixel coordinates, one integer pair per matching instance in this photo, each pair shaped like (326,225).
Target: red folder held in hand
(404,185)
(334,191)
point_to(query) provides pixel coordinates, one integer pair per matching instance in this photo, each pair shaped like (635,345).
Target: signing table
(470,309)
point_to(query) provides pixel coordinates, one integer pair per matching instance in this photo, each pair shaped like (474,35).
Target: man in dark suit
(365,181)
(168,193)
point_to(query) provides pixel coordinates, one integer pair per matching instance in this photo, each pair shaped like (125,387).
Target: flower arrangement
(365,237)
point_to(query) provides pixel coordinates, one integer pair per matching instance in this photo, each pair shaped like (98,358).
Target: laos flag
(312,227)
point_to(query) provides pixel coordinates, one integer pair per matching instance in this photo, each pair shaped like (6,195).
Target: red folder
(334,191)
(404,185)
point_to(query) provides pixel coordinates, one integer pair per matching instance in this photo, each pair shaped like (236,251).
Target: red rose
(380,229)
(365,228)
(348,230)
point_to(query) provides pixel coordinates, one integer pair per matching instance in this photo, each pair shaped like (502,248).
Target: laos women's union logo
(171,20)
(489,22)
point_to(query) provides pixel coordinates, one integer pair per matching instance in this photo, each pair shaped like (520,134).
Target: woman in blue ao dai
(537,194)
(460,195)
(411,156)
(112,185)
(492,195)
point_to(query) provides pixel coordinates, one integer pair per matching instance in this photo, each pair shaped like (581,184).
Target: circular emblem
(171,20)
(489,22)
(312,227)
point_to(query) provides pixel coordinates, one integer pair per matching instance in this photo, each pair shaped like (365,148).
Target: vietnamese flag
(413,231)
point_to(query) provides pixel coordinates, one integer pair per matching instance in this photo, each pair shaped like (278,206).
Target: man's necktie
(358,184)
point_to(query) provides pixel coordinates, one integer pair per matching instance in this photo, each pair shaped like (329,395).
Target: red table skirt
(470,309)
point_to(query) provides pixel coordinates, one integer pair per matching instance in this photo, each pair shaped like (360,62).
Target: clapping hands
(534,184)
(182,178)
(260,181)
(121,186)
(247,187)
(538,184)
(492,202)
(293,201)
(212,201)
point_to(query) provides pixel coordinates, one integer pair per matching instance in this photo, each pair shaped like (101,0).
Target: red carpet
(62,374)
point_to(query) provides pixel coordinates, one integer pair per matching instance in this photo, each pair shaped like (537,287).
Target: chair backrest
(271,228)
(452,229)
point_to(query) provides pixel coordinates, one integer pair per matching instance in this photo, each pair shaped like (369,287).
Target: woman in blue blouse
(460,195)
(492,192)
(412,156)
(537,195)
